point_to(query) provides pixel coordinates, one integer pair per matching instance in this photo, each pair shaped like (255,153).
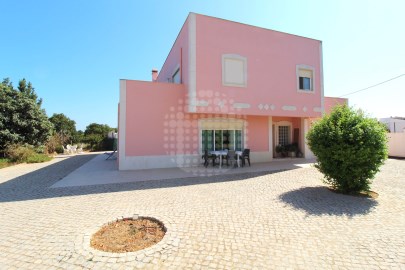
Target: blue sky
(74,52)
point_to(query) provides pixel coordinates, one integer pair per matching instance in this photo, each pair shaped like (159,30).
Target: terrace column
(271,137)
(305,126)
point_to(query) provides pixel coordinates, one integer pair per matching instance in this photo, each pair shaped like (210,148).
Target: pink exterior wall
(257,133)
(271,66)
(156,123)
(296,122)
(147,106)
(331,102)
(178,56)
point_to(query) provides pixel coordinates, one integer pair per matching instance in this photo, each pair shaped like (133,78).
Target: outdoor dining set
(73,149)
(231,157)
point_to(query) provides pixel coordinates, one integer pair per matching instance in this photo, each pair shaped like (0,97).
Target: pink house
(224,85)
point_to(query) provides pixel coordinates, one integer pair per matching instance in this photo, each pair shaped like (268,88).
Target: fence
(396,144)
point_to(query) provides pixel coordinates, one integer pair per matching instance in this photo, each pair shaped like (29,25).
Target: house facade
(394,124)
(224,85)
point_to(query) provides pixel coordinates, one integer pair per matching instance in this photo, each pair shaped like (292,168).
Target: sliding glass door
(222,139)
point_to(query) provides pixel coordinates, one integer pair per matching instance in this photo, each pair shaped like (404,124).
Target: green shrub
(53,142)
(349,147)
(25,153)
(41,149)
(19,153)
(59,149)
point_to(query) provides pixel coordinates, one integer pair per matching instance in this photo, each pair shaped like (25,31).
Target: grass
(37,158)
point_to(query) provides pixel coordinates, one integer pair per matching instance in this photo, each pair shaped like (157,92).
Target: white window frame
(276,133)
(234,57)
(222,124)
(222,130)
(312,82)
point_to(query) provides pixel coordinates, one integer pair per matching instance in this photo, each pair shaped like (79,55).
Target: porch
(99,171)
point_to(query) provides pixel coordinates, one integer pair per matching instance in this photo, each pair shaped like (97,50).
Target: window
(283,135)
(222,139)
(234,70)
(305,83)
(176,76)
(305,78)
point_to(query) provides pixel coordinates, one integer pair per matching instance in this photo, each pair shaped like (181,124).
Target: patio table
(238,154)
(221,153)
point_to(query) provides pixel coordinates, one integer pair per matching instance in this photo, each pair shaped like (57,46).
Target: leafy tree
(79,136)
(96,136)
(64,127)
(22,121)
(349,147)
(28,90)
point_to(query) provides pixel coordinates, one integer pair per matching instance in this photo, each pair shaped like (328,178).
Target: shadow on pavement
(36,184)
(321,201)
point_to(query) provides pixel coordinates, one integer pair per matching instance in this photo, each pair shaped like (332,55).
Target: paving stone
(282,220)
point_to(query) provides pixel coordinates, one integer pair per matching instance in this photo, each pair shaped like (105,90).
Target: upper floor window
(305,78)
(234,70)
(305,83)
(176,76)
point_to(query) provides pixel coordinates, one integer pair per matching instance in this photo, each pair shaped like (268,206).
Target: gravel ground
(278,220)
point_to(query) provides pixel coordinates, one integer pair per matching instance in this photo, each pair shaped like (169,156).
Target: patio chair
(245,155)
(67,150)
(80,149)
(207,158)
(230,157)
(73,149)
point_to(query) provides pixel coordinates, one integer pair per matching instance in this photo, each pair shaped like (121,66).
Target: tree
(28,90)
(96,136)
(64,127)
(349,147)
(22,121)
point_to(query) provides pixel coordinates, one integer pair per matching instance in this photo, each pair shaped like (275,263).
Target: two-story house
(224,85)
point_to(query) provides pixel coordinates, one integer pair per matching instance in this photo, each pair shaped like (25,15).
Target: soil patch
(368,194)
(128,235)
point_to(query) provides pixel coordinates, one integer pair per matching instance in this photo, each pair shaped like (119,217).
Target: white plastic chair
(80,149)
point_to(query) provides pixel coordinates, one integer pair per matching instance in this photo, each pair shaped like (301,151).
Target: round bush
(349,147)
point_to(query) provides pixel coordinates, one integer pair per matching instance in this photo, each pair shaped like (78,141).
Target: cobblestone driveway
(248,221)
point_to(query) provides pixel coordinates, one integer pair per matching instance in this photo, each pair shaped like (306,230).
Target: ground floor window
(222,139)
(283,135)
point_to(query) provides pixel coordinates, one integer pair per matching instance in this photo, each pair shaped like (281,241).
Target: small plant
(292,149)
(279,149)
(349,147)
(132,229)
(59,149)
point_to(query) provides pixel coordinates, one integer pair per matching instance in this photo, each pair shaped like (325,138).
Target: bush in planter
(349,147)
(292,149)
(281,149)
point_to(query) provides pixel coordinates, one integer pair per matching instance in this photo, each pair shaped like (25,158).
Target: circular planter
(128,235)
